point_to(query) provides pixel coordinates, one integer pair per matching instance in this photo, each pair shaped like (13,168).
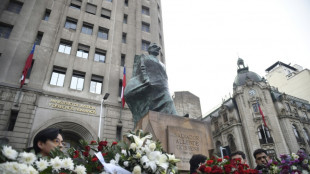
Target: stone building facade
(293,80)
(237,123)
(81,50)
(187,104)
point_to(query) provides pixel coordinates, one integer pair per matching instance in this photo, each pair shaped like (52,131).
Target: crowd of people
(260,155)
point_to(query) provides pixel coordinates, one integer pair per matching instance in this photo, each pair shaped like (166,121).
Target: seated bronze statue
(148,87)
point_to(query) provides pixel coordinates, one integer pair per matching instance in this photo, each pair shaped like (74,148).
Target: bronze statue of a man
(148,87)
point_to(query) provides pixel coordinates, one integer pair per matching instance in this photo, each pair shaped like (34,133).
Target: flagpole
(18,98)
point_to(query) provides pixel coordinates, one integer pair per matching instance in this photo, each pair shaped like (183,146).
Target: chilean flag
(261,113)
(27,66)
(123,87)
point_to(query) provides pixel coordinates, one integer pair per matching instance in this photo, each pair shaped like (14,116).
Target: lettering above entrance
(71,106)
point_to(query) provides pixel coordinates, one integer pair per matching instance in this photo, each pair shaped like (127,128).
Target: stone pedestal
(179,135)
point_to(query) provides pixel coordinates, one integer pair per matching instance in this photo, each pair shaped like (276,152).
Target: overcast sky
(203,39)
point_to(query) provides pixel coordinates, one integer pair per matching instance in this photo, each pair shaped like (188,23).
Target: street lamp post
(106,95)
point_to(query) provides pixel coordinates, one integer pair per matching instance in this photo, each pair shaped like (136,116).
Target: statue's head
(153,49)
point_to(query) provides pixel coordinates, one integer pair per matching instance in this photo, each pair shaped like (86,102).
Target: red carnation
(219,160)
(209,162)
(207,169)
(114,143)
(76,154)
(87,148)
(103,143)
(99,167)
(100,148)
(104,154)
(202,168)
(226,157)
(85,154)
(227,168)
(94,159)
(93,142)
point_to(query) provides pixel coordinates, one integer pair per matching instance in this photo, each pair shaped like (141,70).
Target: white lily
(163,161)
(139,141)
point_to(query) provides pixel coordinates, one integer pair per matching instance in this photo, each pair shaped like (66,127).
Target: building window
(100,55)
(58,76)
(65,46)
(305,114)
(306,134)
(120,86)
(296,112)
(288,108)
(77,80)
(145,10)
(96,84)
(12,120)
(47,15)
(264,135)
(296,133)
(145,45)
(103,33)
(255,108)
(39,38)
(109,0)
(5,30)
(15,6)
(123,56)
(30,69)
(119,132)
(216,125)
(160,40)
(126,3)
(82,51)
(105,13)
(225,117)
(218,145)
(91,8)
(145,27)
(159,23)
(231,143)
(71,23)
(87,28)
(124,39)
(125,19)
(158,8)
(76,4)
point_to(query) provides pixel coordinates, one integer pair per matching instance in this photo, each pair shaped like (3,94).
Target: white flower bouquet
(140,154)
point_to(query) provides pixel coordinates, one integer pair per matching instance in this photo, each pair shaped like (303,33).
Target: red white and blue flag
(123,87)
(27,66)
(261,113)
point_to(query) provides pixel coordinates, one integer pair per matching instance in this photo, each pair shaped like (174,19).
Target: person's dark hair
(195,161)
(238,153)
(43,136)
(259,151)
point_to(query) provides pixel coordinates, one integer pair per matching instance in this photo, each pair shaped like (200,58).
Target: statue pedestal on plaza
(178,135)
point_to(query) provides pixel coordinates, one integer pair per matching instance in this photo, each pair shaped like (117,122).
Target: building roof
(277,96)
(244,74)
(280,63)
